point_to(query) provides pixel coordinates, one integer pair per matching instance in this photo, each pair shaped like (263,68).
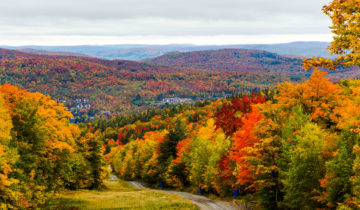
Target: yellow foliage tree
(319,97)
(7,157)
(345,17)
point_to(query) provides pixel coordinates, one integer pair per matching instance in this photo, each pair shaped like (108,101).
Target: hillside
(5,54)
(119,85)
(122,86)
(230,59)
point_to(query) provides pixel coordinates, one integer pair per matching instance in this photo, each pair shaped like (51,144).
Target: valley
(120,86)
(192,104)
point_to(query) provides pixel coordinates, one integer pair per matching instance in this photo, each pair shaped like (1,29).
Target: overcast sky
(75,22)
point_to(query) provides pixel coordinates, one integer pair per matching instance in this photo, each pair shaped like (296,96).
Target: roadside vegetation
(120,195)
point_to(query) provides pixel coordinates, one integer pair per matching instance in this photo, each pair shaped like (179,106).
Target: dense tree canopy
(298,149)
(41,152)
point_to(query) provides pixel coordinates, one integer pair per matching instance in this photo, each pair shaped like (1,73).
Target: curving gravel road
(137,184)
(202,202)
(113,177)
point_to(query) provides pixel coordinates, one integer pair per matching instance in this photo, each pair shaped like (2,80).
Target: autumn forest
(247,127)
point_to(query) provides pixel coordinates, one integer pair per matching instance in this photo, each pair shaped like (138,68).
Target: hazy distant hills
(45,52)
(140,52)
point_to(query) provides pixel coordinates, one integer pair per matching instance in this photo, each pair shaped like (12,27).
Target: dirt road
(137,184)
(202,202)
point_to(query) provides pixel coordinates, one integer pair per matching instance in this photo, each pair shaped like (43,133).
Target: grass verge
(120,195)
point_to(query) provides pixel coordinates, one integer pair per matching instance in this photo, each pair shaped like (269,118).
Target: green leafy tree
(306,167)
(339,170)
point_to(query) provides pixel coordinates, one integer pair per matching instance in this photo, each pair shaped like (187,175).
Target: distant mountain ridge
(229,59)
(45,52)
(140,52)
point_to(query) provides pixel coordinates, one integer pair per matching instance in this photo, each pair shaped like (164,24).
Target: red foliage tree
(229,116)
(242,139)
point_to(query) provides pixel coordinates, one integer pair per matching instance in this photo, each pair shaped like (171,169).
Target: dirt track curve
(202,202)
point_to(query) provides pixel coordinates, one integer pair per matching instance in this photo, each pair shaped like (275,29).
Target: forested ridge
(119,85)
(230,59)
(123,86)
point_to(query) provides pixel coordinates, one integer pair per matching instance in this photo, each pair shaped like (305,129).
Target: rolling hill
(122,86)
(230,59)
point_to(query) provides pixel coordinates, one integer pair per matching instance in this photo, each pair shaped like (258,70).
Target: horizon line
(206,40)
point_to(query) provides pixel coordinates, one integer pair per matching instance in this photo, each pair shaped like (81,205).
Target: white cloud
(105,21)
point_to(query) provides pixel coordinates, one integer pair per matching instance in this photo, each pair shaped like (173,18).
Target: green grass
(120,195)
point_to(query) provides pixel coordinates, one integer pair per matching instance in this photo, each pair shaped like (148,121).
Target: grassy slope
(120,195)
